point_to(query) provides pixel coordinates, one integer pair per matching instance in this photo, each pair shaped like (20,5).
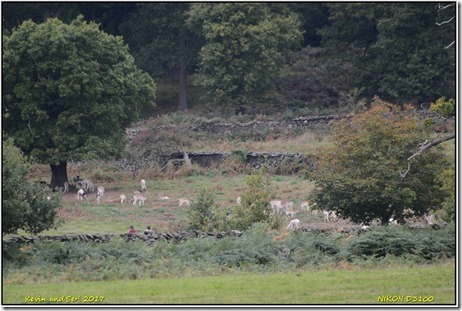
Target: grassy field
(433,283)
(164,215)
(338,281)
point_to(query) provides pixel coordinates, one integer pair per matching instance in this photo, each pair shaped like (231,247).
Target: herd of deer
(86,186)
(277,206)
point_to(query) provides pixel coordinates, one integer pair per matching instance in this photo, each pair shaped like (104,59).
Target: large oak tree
(69,92)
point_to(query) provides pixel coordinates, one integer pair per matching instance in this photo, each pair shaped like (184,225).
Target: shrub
(254,205)
(200,212)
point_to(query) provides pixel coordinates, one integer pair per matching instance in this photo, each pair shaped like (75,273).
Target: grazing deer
(138,198)
(306,206)
(293,224)
(81,194)
(182,202)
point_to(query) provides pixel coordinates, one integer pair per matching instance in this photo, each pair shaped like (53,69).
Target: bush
(427,244)
(254,205)
(200,212)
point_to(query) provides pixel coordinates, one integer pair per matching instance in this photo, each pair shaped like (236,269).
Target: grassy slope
(164,215)
(313,287)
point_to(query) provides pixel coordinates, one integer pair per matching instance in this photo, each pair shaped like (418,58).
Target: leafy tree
(446,108)
(396,48)
(108,15)
(161,42)
(313,16)
(408,57)
(366,174)
(201,215)
(244,49)
(24,205)
(69,92)
(254,205)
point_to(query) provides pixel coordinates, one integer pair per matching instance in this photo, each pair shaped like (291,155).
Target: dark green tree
(367,174)
(408,61)
(313,16)
(245,45)
(69,92)
(161,42)
(397,49)
(25,205)
(108,15)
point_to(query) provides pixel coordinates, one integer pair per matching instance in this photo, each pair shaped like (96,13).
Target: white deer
(138,198)
(182,202)
(306,206)
(80,194)
(143,185)
(100,194)
(123,198)
(276,206)
(293,224)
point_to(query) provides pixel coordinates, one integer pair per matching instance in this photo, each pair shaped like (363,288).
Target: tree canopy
(24,205)
(244,47)
(398,51)
(366,174)
(69,91)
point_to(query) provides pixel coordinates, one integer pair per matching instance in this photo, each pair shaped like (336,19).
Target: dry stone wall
(173,237)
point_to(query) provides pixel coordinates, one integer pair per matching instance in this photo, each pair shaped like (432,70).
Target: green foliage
(155,32)
(70,90)
(317,82)
(446,108)
(255,250)
(448,179)
(201,211)
(24,205)
(244,48)
(361,176)
(254,205)
(401,242)
(396,48)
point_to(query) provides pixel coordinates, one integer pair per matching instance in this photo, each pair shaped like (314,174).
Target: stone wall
(286,125)
(168,237)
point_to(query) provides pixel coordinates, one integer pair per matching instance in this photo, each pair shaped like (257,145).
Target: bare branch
(445,22)
(440,7)
(447,47)
(427,145)
(403,175)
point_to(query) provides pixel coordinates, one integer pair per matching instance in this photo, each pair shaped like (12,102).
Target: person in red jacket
(132,230)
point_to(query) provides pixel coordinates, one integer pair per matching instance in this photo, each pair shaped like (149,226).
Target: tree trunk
(58,175)
(182,72)
(183,100)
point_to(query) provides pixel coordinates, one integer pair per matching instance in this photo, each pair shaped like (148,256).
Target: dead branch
(424,147)
(403,175)
(447,47)
(445,22)
(427,145)
(440,7)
